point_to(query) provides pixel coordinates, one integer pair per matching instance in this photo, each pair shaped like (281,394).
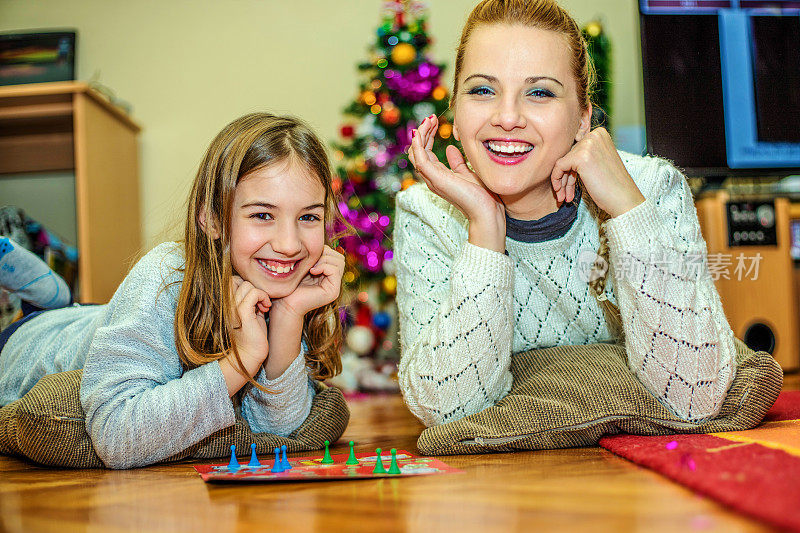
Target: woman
(497,255)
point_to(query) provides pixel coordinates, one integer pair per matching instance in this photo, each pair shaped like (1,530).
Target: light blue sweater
(141,406)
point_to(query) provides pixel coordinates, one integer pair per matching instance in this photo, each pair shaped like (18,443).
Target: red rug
(755,472)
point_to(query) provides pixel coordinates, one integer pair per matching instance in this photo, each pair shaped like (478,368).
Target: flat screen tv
(37,57)
(722,85)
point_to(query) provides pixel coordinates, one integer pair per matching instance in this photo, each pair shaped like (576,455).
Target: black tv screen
(722,85)
(37,57)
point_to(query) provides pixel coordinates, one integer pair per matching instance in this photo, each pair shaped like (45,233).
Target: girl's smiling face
(277,226)
(517,112)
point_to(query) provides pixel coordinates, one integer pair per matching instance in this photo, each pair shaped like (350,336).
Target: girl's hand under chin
(319,287)
(250,334)
(459,186)
(596,160)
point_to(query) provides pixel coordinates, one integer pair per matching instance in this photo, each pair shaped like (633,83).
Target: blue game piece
(253,459)
(234,464)
(276,468)
(284,461)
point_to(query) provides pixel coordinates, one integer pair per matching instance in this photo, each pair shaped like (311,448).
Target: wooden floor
(563,490)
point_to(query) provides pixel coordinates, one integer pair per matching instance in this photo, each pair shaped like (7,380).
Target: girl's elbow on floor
(115,450)
(114,455)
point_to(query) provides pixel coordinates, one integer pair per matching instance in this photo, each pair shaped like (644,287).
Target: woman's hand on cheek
(459,186)
(605,178)
(250,333)
(319,287)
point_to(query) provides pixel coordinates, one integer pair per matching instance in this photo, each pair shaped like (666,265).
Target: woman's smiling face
(517,111)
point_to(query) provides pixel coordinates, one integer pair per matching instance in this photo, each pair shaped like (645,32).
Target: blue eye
(481,91)
(540,93)
(261,216)
(309,218)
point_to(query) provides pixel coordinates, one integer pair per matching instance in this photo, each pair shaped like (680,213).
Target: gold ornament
(390,115)
(594,28)
(403,54)
(445,130)
(368,97)
(349,277)
(439,93)
(390,285)
(408,182)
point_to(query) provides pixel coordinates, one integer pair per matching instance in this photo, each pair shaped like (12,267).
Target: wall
(189,67)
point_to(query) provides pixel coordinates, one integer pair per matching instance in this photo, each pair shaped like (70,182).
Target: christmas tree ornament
(408,182)
(388,264)
(390,115)
(423,110)
(364,129)
(381,320)
(593,28)
(390,285)
(403,54)
(347,131)
(368,97)
(388,182)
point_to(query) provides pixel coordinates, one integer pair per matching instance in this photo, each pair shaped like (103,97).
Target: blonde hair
(206,310)
(548,15)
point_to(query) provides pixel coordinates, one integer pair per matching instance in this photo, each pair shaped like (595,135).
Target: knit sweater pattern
(141,405)
(464,310)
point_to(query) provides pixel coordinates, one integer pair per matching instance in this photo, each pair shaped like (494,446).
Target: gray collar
(548,227)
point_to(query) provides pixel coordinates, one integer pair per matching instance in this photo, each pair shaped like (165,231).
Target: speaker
(749,255)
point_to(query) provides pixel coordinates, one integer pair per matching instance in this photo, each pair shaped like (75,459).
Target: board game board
(328,467)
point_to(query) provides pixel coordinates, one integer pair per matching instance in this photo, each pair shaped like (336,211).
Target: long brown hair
(548,15)
(206,310)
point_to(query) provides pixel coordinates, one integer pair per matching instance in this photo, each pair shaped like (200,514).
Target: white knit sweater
(464,309)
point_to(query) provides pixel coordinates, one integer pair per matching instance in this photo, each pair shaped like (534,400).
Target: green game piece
(352,459)
(394,469)
(378,464)
(327,459)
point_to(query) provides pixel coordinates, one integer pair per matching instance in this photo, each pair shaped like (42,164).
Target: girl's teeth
(277,268)
(509,148)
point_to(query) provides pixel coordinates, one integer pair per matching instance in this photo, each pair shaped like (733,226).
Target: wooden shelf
(68,126)
(36,153)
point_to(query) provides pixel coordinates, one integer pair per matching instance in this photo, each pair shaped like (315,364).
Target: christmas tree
(399,86)
(600,52)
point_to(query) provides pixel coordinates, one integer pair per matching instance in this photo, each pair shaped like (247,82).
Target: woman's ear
(456,136)
(585,124)
(209,229)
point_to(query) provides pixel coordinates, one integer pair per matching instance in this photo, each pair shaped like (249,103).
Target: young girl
(497,256)
(245,304)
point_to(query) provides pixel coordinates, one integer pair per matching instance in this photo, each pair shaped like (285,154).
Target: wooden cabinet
(67,126)
(761,305)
